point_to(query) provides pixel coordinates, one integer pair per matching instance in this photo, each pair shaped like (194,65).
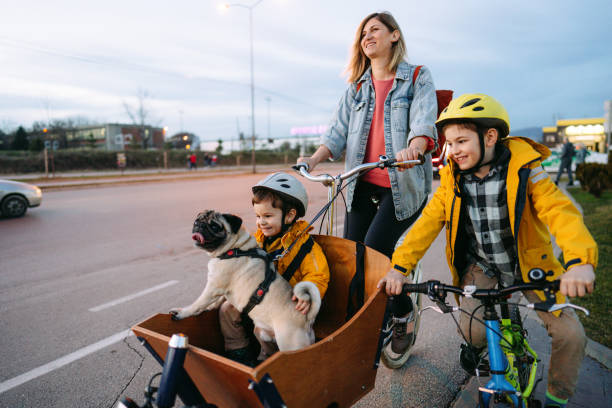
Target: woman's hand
(322,153)
(416,148)
(302,306)
(312,163)
(578,281)
(393,282)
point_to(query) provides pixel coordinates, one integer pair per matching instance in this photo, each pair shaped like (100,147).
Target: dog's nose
(198,237)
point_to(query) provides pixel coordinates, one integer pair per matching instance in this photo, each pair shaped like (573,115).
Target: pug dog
(236,279)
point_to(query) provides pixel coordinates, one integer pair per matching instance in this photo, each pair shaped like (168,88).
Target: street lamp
(250,8)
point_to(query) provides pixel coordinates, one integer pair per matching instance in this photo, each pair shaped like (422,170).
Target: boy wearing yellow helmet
(498,206)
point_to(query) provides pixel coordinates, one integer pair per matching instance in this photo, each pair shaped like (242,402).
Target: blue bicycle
(512,362)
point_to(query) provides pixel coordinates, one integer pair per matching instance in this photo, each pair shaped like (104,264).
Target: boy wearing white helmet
(279,201)
(498,205)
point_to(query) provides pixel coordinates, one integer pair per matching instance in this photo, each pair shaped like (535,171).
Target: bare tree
(140,115)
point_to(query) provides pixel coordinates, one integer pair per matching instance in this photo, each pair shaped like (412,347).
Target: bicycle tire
(390,359)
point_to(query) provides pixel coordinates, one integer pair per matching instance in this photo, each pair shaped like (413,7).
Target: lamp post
(250,8)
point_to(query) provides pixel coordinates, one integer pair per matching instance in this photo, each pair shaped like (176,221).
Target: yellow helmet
(479,108)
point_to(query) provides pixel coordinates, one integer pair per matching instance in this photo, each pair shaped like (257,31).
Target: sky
(543,59)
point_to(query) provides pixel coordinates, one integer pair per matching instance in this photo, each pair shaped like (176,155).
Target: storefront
(588,131)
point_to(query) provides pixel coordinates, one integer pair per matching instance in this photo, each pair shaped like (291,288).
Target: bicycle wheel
(396,360)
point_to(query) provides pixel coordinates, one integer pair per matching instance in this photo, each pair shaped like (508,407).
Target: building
(112,136)
(588,131)
(184,140)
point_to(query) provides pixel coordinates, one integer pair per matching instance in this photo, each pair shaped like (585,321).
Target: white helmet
(287,186)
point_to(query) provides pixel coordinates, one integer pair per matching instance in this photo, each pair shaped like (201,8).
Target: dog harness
(270,275)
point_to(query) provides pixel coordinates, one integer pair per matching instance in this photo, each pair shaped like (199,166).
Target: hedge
(20,162)
(595,177)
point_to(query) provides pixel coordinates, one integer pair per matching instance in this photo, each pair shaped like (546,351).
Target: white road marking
(62,361)
(132,296)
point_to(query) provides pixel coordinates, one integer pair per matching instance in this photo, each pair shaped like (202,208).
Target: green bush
(593,177)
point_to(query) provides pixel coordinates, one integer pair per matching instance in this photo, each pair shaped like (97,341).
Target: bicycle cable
(323,211)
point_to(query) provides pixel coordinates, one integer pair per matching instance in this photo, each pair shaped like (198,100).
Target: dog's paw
(176,314)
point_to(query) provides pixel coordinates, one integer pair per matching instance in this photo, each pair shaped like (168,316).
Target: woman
(381,112)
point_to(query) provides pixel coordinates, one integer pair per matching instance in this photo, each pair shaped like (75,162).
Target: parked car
(16,197)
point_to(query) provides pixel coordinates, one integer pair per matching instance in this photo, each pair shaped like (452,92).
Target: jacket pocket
(542,257)
(400,110)
(356,118)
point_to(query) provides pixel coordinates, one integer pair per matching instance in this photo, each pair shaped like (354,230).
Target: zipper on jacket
(456,193)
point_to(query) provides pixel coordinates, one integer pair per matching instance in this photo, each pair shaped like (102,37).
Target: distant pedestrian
(581,153)
(567,154)
(213,161)
(193,162)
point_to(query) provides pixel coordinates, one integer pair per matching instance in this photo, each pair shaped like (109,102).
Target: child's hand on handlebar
(393,282)
(578,280)
(415,149)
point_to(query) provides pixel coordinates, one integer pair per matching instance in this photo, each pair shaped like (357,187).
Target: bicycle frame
(500,367)
(516,347)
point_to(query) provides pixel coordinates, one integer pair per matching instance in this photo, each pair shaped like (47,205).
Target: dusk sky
(544,60)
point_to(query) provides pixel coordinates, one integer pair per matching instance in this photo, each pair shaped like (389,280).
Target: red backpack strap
(416,74)
(359,86)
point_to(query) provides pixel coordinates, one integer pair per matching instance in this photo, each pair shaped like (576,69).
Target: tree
(37,144)
(20,142)
(4,140)
(140,115)
(219,148)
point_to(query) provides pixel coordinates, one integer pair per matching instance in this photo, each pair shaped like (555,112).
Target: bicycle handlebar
(433,286)
(437,292)
(383,161)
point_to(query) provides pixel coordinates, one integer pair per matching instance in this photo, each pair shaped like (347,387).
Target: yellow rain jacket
(314,266)
(535,205)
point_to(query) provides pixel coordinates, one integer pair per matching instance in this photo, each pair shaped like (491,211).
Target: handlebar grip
(297,167)
(415,288)
(172,372)
(555,285)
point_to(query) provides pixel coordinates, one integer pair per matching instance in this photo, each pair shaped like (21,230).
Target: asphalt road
(80,270)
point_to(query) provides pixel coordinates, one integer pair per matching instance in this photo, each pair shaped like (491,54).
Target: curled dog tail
(308,291)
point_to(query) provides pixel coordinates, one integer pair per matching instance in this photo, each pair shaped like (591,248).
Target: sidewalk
(82,179)
(594,387)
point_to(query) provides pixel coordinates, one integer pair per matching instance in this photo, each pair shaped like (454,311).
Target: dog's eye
(215,227)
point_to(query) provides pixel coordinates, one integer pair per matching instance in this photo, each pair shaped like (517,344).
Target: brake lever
(547,307)
(560,306)
(447,309)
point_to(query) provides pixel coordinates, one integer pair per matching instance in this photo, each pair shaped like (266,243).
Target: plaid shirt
(492,245)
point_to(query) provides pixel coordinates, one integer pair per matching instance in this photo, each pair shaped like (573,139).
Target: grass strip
(598,219)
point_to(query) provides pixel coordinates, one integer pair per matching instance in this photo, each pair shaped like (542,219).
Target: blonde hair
(359,63)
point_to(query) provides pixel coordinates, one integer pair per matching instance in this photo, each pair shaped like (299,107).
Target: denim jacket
(408,113)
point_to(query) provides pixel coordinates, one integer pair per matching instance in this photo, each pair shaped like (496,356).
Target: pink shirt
(376,138)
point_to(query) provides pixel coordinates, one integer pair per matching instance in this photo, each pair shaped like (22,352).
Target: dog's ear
(234,221)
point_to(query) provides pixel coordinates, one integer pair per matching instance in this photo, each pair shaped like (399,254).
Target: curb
(600,353)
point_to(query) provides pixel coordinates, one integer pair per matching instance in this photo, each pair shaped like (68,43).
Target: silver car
(16,197)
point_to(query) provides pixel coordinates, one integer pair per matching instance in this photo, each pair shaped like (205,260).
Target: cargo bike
(352,331)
